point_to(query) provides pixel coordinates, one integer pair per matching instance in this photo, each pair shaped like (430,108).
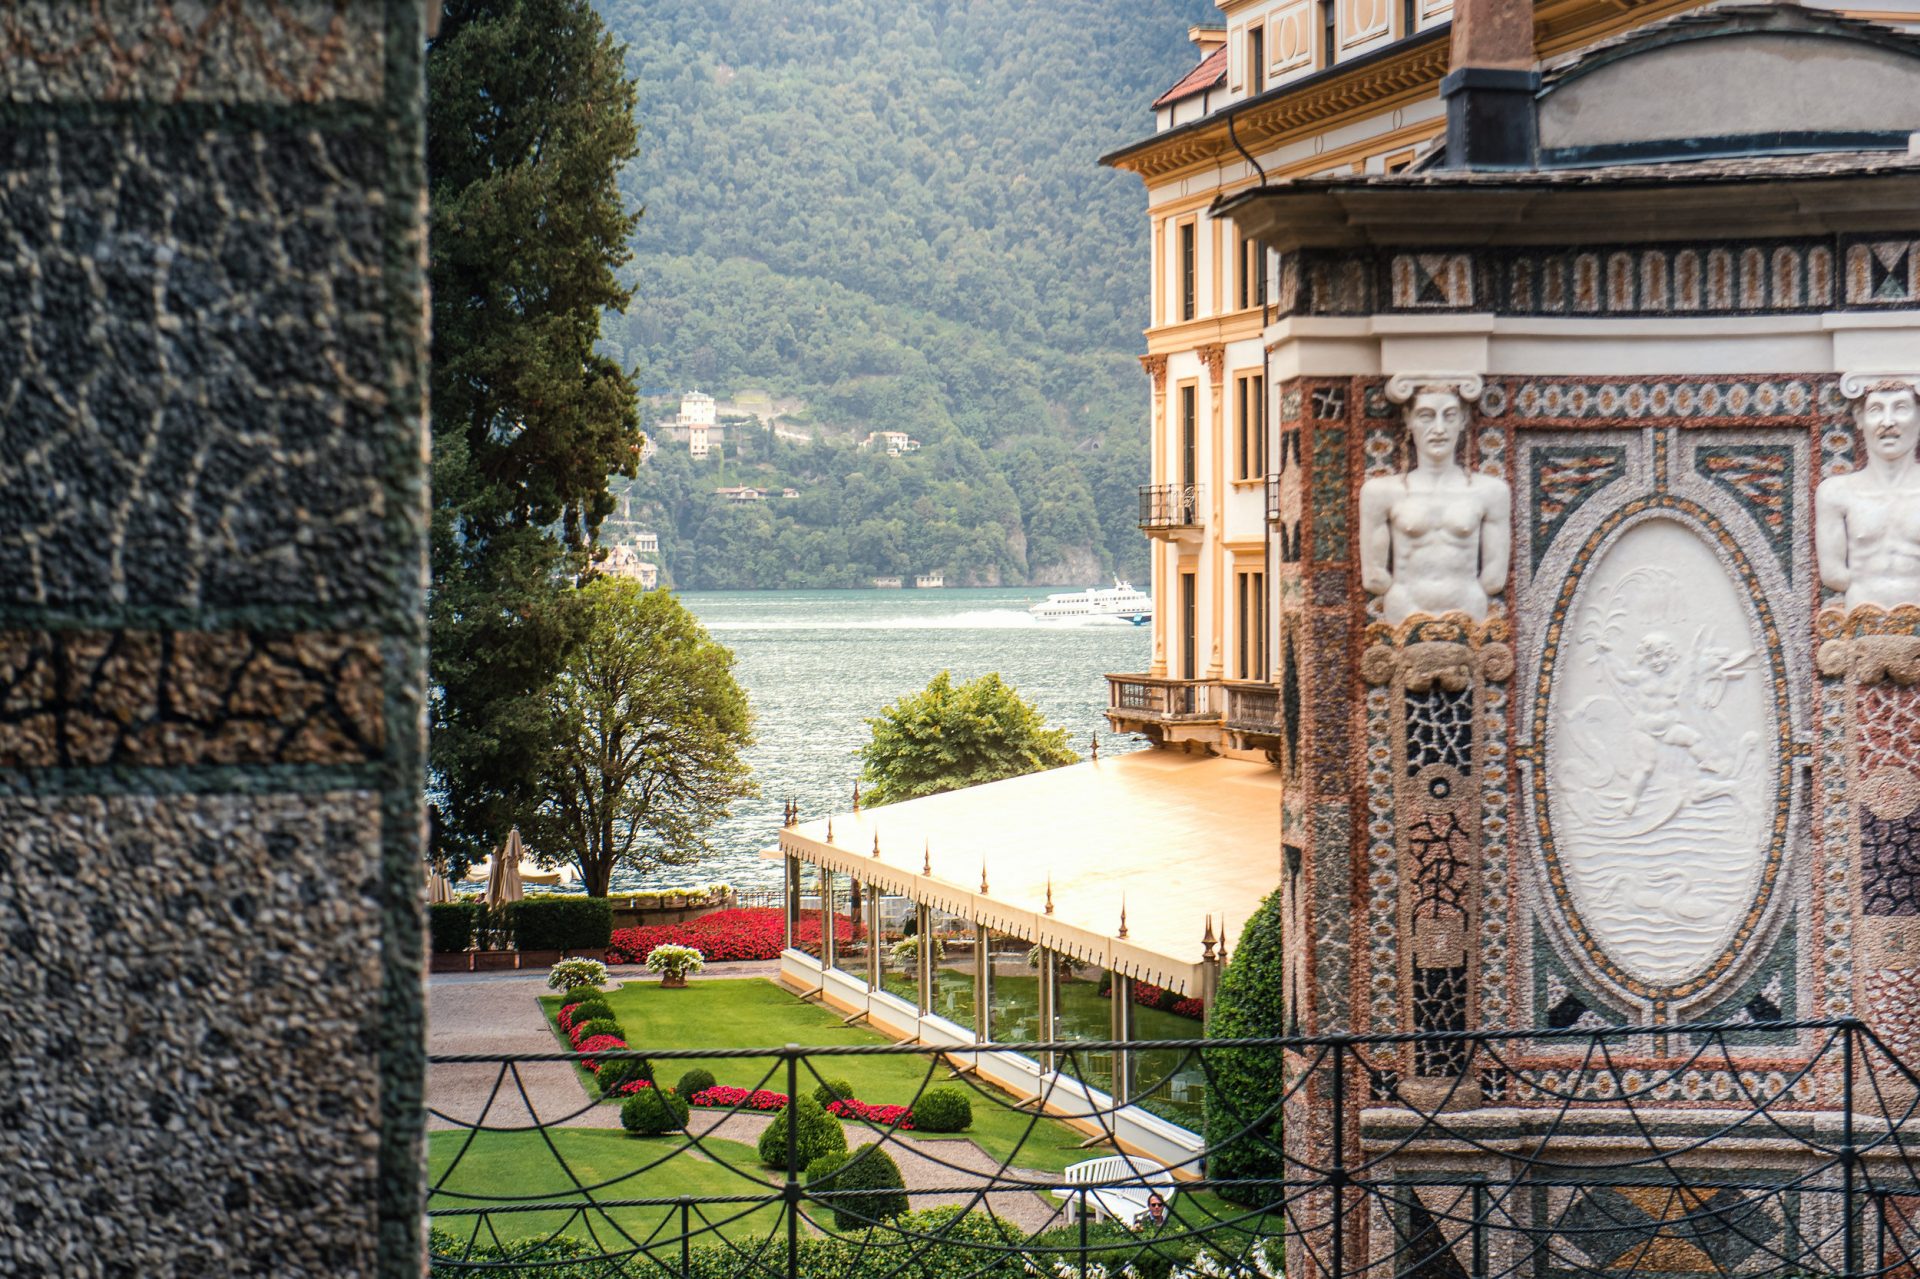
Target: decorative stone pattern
(193,383)
(231,953)
(212,661)
(160,698)
(290,51)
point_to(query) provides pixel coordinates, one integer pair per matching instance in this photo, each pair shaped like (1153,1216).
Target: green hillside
(892,212)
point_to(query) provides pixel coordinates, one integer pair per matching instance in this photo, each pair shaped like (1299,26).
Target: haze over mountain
(892,211)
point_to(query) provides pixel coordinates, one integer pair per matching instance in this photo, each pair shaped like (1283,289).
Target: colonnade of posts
(865,907)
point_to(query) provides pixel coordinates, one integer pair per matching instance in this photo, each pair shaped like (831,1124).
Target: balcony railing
(1153,697)
(1169,506)
(1733,1150)
(1252,708)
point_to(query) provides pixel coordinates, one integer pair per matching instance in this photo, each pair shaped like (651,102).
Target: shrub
(699,1079)
(832,1090)
(672,960)
(451,926)
(652,1111)
(590,1008)
(570,975)
(593,1026)
(868,1169)
(943,1109)
(906,951)
(1242,1125)
(624,1070)
(597,1044)
(749,932)
(561,923)
(816,1133)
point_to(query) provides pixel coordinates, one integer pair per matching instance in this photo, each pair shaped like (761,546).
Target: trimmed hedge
(652,1111)
(591,1010)
(943,1109)
(818,1133)
(832,1090)
(616,1071)
(1242,1124)
(699,1079)
(867,1169)
(450,925)
(549,922)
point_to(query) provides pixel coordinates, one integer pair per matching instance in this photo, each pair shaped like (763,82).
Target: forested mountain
(892,210)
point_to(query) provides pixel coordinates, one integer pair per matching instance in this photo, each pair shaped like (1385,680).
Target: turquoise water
(815,664)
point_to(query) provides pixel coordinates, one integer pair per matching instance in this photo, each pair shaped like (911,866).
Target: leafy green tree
(529,120)
(947,736)
(1243,1105)
(649,725)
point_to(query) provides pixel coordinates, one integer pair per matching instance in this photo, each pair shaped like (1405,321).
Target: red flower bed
(1189,1008)
(753,932)
(598,1044)
(724,1095)
(565,1018)
(886,1116)
(631,1086)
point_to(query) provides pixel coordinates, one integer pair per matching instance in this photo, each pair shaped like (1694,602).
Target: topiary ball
(590,1008)
(623,1070)
(584,1030)
(652,1111)
(699,1079)
(943,1109)
(816,1133)
(832,1090)
(870,1170)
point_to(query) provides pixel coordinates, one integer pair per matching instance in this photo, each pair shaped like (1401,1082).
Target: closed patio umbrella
(503,881)
(438,889)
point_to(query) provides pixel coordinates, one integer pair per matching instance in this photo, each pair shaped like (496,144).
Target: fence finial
(1122,934)
(829,828)
(983,874)
(1049,894)
(856,794)
(1096,748)
(926,860)
(1206,942)
(876,842)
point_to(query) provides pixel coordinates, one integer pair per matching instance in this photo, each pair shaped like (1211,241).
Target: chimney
(1489,90)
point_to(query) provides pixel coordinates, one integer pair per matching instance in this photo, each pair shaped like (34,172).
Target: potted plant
(673,963)
(576,973)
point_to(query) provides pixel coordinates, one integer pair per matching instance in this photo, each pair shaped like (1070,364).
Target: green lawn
(755,1013)
(612,1165)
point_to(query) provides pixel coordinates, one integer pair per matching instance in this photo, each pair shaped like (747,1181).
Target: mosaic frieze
(1724,277)
(291,51)
(175,699)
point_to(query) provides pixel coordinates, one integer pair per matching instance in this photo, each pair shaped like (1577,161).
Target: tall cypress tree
(529,121)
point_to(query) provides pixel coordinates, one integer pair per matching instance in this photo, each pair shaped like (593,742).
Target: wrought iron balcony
(1167,508)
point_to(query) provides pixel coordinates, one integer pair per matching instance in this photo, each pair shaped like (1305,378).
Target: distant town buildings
(624,560)
(894,442)
(886,583)
(696,425)
(929,581)
(748,493)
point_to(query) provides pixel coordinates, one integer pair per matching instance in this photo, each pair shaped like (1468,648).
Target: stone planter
(539,958)
(673,981)
(458,963)
(493,961)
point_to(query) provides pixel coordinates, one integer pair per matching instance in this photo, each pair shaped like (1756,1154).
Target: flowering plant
(885,1116)
(726,1096)
(906,951)
(675,960)
(753,932)
(598,1044)
(570,975)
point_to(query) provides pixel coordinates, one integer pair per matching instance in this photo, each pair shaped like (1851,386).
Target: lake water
(816,664)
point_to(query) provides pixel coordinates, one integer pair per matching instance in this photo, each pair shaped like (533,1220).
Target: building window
(1253,273)
(1189,432)
(1250,591)
(1257,58)
(1250,425)
(1329,32)
(1189,626)
(1399,161)
(1189,271)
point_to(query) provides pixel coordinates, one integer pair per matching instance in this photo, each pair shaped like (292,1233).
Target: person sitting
(1155,1215)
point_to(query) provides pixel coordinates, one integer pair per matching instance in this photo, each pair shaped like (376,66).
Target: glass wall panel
(850,941)
(806,929)
(1015,1014)
(954,967)
(898,922)
(1170,1082)
(1083,1009)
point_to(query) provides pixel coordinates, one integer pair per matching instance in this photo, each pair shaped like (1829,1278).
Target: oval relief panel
(1660,778)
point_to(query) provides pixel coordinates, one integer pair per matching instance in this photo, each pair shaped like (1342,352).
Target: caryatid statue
(1867,523)
(1435,539)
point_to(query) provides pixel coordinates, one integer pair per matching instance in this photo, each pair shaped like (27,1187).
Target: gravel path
(498,1013)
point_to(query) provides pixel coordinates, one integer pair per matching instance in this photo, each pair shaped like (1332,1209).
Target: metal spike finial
(926,860)
(876,843)
(1223,936)
(829,828)
(1122,934)
(983,876)
(856,794)
(1206,942)
(1049,894)
(1096,748)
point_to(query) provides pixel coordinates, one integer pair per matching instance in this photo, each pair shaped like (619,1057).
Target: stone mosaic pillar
(212,555)
(1873,655)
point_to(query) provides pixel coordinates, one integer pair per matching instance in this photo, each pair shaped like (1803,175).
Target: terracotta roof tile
(1211,71)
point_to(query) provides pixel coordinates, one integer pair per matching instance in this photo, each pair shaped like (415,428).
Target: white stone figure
(1867,524)
(1435,539)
